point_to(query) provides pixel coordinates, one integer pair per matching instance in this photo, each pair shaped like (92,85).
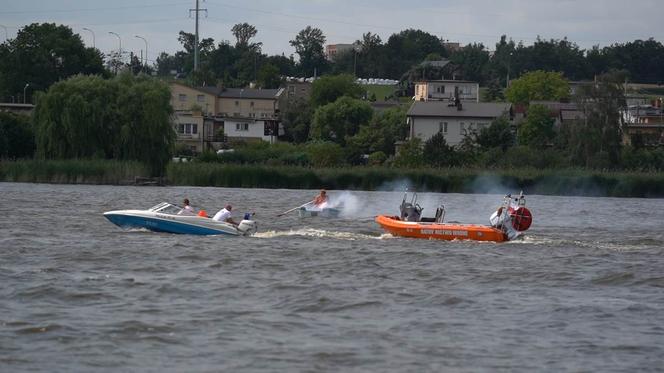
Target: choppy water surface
(583,292)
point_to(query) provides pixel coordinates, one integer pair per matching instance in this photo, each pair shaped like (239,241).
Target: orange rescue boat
(397,227)
(507,223)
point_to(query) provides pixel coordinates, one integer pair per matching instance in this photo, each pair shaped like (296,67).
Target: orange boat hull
(438,231)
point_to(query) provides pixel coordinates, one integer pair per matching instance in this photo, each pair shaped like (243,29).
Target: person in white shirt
(186,209)
(225,215)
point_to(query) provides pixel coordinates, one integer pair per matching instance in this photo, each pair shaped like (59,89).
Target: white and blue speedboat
(166,217)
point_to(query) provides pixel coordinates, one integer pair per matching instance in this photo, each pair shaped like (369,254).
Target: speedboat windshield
(166,208)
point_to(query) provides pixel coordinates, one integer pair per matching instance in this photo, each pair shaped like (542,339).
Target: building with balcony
(249,113)
(447,90)
(644,124)
(205,118)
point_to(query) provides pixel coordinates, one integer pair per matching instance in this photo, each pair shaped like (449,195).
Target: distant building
(427,118)
(206,118)
(297,91)
(644,124)
(445,90)
(452,46)
(334,50)
(7,107)
(250,114)
(562,112)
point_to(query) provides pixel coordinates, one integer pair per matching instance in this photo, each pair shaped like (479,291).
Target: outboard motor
(512,217)
(247,226)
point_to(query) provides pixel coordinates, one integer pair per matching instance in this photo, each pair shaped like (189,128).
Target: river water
(584,291)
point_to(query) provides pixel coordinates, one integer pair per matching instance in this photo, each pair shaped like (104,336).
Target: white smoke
(348,203)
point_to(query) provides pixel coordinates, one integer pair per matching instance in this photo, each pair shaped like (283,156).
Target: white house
(427,118)
(249,113)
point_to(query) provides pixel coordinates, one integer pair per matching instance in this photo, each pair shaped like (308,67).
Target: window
(182,97)
(237,103)
(242,126)
(251,104)
(200,98)
(252,115)
(442,127)
(187,128)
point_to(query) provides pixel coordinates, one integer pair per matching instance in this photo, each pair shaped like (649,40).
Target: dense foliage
(17,139)
(536,86)
(123,118)
(40,55)
(339,120)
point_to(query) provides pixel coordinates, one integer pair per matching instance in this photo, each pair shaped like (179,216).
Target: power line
(79,10)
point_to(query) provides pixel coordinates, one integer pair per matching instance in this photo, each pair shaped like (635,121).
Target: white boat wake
(321,233)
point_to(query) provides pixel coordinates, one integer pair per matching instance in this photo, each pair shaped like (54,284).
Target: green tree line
(124,118)
(42,54)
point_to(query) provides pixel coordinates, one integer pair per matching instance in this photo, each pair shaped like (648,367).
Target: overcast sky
(586,22)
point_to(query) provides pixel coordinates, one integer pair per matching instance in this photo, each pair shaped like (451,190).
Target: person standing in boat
(225,215)
(186,209)
(321,199)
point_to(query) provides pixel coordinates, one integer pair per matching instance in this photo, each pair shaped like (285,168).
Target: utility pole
(120,50)
(93,36)
(509,62)
(196,52)
(146,50)
(24,89)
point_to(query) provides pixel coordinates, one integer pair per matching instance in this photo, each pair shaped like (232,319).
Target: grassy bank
(72,171)
(531,181)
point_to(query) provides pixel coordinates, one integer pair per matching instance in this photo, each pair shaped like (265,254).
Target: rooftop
(469,109)
(252,93)
(448,81)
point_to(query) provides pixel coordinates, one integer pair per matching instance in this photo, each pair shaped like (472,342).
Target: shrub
(376,158)
(325,154)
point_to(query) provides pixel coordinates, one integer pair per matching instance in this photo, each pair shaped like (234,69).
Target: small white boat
(165,217)
(325,212)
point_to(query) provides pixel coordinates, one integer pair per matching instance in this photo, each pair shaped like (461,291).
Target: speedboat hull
(179,224)
(324,212)
(440,231)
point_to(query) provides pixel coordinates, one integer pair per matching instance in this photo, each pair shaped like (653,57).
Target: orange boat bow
(438,231)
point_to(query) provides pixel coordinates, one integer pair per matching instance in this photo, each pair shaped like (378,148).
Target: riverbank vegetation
(572,182)
(72,171)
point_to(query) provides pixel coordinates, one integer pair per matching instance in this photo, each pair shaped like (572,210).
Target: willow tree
(596,139)
(125,118)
